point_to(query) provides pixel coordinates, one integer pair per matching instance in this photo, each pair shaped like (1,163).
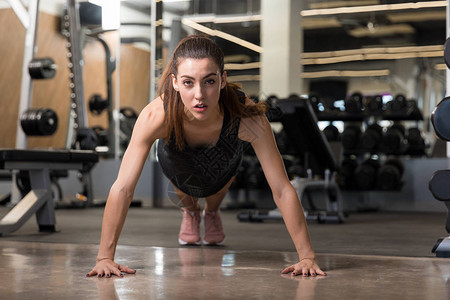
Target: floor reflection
(57,271)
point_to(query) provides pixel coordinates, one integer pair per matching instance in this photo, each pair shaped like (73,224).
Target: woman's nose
(199,92)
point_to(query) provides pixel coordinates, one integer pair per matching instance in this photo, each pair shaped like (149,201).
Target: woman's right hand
(107,267)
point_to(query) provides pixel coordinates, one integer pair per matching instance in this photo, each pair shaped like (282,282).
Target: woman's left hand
(305,267)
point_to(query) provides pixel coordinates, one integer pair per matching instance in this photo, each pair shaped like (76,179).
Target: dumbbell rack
(77,109)
(364,118)
(77,117)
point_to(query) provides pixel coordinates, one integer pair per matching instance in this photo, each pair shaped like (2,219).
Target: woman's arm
(149,126)
(258,132)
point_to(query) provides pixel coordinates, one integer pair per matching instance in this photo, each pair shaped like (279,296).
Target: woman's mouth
(200,107)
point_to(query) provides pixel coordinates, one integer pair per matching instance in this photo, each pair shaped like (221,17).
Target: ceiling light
(415,17)
(221,34)
(381,30)
(346,73)
(372,8)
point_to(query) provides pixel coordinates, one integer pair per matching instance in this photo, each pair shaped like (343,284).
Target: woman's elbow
(121,191)
(284,193)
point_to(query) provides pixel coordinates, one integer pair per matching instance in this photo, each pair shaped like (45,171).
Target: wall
(55,93)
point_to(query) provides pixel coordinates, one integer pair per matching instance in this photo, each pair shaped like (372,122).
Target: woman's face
(199,83)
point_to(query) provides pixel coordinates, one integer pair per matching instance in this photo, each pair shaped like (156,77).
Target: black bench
(321,198)
(38,164)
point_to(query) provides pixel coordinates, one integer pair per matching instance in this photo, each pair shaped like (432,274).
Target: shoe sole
(183,243)
(212,244)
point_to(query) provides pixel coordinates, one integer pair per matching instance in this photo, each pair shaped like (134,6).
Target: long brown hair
(198,47)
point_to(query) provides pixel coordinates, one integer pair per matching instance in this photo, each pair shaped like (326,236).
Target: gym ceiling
(385,25)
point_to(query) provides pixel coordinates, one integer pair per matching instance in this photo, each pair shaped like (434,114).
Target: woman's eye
(187,82)
(210,81)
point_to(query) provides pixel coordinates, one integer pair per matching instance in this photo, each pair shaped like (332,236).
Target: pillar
(282,43)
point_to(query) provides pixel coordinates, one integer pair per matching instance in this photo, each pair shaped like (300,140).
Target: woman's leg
(213,202)
(190,224)
(214,234)
(188,202)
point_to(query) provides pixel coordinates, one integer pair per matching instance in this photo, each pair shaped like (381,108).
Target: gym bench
(38,164)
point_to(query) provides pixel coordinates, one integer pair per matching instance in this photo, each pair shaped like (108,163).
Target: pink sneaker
(213,228)
(190,228)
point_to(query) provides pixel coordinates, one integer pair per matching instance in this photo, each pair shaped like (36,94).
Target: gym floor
(372,255)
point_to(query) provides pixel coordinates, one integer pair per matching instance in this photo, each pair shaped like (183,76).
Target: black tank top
(202,172)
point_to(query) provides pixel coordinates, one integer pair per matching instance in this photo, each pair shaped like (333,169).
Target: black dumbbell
(283,142)
(350,138)
(439,187)
(254,98)
(439,119)
(412,107)
(42,68)
(102,135)
(240,180)
(273,112)
(447,52)
(97,104)
(332,133)
(296,170)
(255,176)
(354,103)
(393,140)
(397,105)
(390,175)
(366,174)
(416,142)
(86,139)
(39,122)
(346,173)
(315,102)
(374,104)
(371,137)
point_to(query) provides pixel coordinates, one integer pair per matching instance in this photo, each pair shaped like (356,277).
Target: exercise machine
(39,200)
(318,192)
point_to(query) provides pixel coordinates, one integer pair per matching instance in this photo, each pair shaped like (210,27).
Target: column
(282,43)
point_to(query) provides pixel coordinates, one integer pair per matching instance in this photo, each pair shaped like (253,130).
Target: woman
(201,122)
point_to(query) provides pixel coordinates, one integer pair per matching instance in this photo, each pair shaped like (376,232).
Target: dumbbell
(254,98)
(255,176)
(439,119)
(393,140)
(42,68)
(439,185)
(315,102)
(371,137)
(390,175)
(416,142)
(86,139)
(374,104)
(331,133)
(397,105)
(350,137)
(345,176)
(283,142)
(447,52)
(296,170)
(39,122)
(366,174)
(412,107)
(97,104)
(353,104)
(102,135)
(127,119)
(273,112)
(240,181)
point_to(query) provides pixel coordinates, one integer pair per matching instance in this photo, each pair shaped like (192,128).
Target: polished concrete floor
(370,256)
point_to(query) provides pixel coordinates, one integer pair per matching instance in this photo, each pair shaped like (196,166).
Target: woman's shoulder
(154,110)
(152,116)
